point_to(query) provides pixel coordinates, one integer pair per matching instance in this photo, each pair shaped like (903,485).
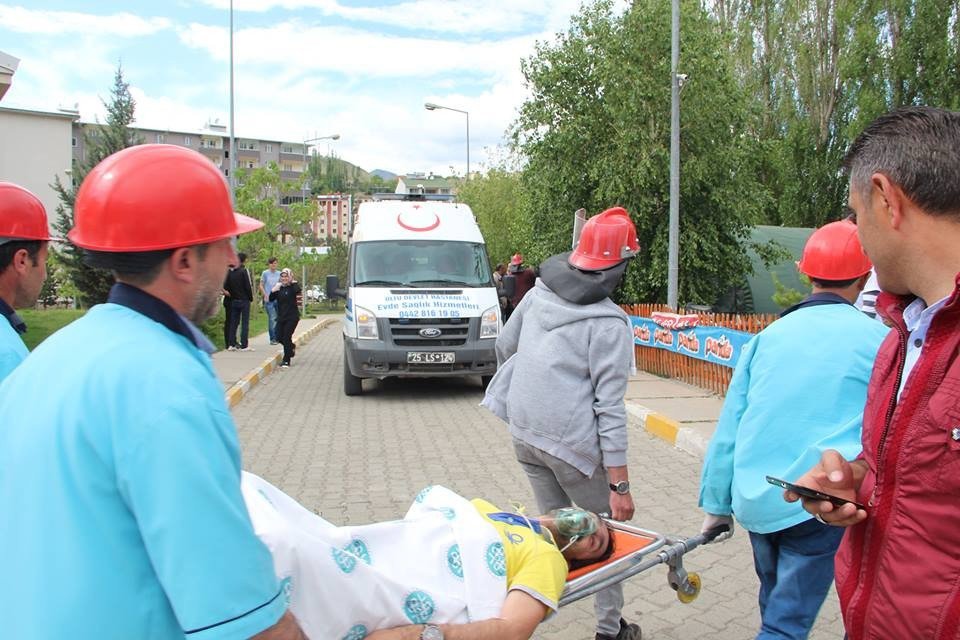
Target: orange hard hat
(152,197)
(517,259)
(607,239)
(833,252)
(22,216)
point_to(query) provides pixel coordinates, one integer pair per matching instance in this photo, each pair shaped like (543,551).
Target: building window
(251,164)
(187,141)
(287,148)
(268,148)
(73,141)
(287,166)
(247,145)
(160,138)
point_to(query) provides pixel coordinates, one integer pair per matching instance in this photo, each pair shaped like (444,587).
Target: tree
(596,133)
(497,201)
(101,140)
(285,228)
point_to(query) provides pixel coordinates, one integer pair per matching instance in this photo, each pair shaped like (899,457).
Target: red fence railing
(707,375)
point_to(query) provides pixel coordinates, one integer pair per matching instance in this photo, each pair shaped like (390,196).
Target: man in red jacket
(898,568)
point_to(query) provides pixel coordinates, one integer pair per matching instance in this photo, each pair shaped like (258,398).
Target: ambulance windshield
(420,263)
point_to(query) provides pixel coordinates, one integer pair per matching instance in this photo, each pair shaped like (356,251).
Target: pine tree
(101,140)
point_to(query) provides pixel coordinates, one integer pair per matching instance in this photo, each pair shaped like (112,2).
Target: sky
(362,69)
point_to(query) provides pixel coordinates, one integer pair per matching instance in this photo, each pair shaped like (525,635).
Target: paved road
(361,459)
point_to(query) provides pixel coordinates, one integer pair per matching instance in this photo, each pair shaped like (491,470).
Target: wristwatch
(622,487)
(431,632)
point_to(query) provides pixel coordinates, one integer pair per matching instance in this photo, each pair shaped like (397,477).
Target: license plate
(430,357)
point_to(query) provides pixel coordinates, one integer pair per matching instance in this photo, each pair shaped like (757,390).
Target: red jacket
(898,572)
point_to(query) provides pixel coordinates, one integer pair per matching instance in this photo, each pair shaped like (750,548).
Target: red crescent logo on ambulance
(429,227)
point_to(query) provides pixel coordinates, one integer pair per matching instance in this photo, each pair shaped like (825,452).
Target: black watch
(431,632)
(622,487)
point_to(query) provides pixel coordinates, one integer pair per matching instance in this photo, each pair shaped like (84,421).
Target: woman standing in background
(285,293)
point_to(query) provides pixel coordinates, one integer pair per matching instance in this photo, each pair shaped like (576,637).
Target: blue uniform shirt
(799,388)
(122,516)
(12,349)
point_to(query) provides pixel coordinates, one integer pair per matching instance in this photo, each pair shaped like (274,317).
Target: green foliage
(285,228)
(90,285)
(596,134)
(42,323)
(497,201)
(785,296)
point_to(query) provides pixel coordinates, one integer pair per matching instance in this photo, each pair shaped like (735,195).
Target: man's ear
(21,261)
(183,264)
(890,197)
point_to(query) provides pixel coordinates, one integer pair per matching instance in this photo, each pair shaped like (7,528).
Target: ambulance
(420,297)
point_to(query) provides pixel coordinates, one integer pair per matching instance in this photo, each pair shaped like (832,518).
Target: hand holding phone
(812,493)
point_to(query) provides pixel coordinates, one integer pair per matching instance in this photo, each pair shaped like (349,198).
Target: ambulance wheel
(352,385)
(690,589)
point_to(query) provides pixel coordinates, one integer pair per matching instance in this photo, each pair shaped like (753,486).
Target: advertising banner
(713,344)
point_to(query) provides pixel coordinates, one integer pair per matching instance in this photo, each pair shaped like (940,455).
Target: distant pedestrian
(23,267)
(524,279)
(240,290)
(800,384)
(285,293)
(269,278)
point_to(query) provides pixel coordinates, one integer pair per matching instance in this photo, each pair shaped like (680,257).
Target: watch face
(431,632)
(621,487)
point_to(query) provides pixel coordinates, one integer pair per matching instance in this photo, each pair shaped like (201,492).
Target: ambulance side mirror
(333,289)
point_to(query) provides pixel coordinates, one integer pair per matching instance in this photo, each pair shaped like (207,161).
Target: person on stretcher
(451,568)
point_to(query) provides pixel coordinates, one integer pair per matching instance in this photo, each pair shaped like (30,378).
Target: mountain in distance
(386,176)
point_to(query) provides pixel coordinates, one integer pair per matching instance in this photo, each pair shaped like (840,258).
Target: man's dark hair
(918,149)
(270,261)
(9,249)
(833,284)
(577,564)
(139,268)
(242,257)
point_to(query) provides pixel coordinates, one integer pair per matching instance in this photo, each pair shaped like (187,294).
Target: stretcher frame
(647,549)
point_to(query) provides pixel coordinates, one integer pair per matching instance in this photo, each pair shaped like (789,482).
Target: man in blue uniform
(799,388)
(23,258)
(119,461)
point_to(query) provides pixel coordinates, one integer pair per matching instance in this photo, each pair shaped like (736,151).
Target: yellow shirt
(534,564)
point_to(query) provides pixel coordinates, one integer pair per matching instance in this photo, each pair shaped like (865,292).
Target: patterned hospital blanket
(441,563)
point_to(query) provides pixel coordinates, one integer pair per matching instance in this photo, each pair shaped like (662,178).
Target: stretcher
(636,550)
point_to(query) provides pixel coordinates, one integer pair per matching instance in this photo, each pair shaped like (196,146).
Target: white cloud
(476,16)
(127,25)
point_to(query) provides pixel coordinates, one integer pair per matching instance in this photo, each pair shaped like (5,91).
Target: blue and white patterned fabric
(438,564)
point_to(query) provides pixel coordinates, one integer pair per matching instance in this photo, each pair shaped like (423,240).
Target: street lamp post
(429,106)
(335,136)
(233,143)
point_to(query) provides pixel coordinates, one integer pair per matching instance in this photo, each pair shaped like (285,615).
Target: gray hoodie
(562,378)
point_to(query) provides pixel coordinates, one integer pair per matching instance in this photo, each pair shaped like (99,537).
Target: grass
(43,322)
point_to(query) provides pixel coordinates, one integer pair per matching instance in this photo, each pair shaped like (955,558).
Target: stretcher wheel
(690,589)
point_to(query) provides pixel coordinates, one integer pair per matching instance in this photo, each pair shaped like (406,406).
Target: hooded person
(564,361)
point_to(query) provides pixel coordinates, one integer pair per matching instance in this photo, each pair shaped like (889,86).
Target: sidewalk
(683,415)
(239,371)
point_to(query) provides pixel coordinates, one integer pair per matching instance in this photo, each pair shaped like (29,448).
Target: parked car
(315,294)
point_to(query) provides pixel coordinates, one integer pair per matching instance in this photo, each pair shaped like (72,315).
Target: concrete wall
(35,147)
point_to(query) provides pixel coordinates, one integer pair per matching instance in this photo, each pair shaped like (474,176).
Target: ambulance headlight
(366,324)
(489,323)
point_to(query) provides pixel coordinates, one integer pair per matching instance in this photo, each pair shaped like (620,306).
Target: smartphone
(812,493)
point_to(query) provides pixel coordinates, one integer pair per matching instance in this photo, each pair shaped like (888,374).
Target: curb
(668,429)
(243,386)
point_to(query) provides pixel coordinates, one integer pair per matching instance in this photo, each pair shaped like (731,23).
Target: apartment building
(430,184)
(36,151)
(333,216)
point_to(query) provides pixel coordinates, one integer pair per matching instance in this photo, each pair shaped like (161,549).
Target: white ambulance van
(420,297)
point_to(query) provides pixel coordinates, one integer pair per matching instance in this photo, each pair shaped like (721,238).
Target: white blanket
(441,563)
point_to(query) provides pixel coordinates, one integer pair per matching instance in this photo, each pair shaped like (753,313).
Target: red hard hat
(152,197)
(516,260)
(607,239)
(22,216)
(833,252)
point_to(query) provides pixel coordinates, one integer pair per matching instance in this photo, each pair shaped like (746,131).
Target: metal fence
(707,375)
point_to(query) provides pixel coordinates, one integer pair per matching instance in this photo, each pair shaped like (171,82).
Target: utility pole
(673,253)
(233,141)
